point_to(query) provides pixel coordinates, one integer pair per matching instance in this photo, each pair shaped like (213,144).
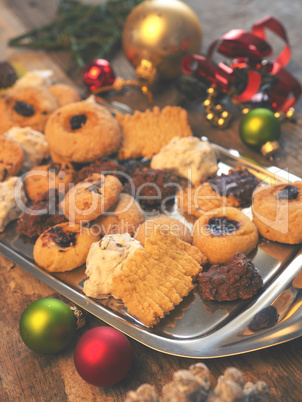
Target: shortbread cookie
(12,200)
(11,158)
(124,216)
(54,175)
(188,157)
(82,132)
(33,143)
(64,94)
(63,247)
(277,212)
(163,224)
(104,260)
(26,107)
(156,278)
(145,133)
(90,198)
(223,232)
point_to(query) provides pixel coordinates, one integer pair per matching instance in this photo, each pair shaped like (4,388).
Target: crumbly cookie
(90,198)
(11,158)
(82,132)
(124,216)
(12,200)
(188,157)
(156,278)
(54,175)
(33,143)
(227,190)
(151,186)
(64,94)
(163,224)
(63,247)
(223,232)
(145,133)
(26,107)
(277,212)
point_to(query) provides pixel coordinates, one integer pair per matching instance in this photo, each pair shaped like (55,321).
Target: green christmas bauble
(259,127)
(47,325)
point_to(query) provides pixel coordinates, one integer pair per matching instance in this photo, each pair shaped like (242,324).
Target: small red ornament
(98,74)
(103,356)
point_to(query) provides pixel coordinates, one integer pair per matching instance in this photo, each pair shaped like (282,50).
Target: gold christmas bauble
(158,34)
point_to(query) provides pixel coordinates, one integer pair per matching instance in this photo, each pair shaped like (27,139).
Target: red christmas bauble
(103,356)
(98,74)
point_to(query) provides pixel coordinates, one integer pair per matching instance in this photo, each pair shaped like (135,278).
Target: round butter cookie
(90,198)
(277,212)
(82,132)
(163,224)
(26,107)
(11,158)
(124,216)
(54,175)
(64,94)
(63,247)
(223,232)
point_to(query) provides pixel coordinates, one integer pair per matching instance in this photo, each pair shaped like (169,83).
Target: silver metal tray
(198,328)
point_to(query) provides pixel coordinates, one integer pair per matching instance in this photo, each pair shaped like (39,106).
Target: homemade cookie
(54,175)
(163,224)
(63,247)
(12,200)
(90,198)
(82,132)
(277,212)
(11,158)
(26,107)
(64,94)
(33,143)
(234,189)
(154,279)
(223,232)
(124,216)
(145,133)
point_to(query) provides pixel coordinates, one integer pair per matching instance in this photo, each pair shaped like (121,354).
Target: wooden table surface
(27,376)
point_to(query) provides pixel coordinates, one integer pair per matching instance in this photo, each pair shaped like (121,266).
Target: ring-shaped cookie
(223,232)
(82,132)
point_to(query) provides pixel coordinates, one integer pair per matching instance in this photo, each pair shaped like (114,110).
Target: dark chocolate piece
(239,183)
(62,238)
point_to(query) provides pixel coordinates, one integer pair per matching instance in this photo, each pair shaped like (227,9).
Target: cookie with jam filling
(26,107)
(82,132)
(277,212)
(224,232)
(63,247)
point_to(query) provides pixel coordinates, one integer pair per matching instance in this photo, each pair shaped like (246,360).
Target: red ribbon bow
(248,51)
